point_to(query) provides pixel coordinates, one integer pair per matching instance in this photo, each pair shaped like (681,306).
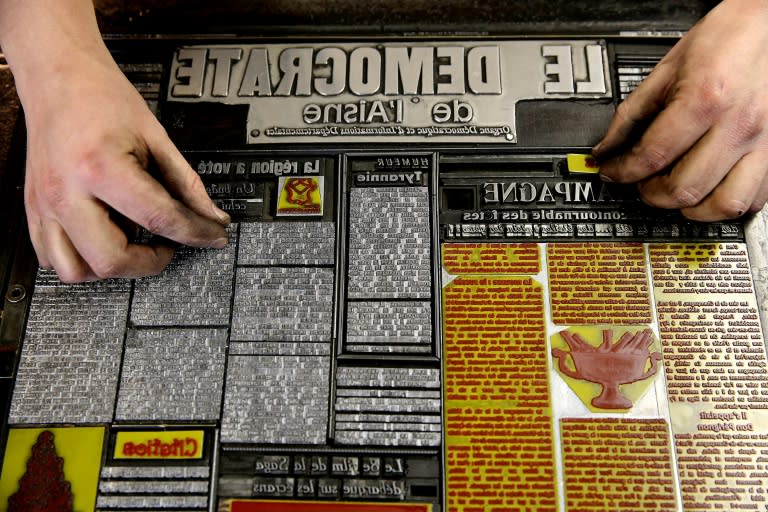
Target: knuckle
(684,196)
(109,266)
(160,221)
(195,185)
(651,157)
(749,125)
(91,167)
(72,274)
(667,194)
(624,110)
(707,97)
(50,191)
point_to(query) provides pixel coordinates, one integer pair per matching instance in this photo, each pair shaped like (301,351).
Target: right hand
(694,134)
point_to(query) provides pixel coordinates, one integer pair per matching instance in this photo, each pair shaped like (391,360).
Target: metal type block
(306,487)
(388,418)
(272,465)
(177,472)
(319,465)
(399,438)
(387,393)
(345,466)
(388,404)
(70,358)
(236,463)
(422,394)
(301,465)
(287,243)
(328,488)
(195,290)
(155,502)
(273,487)
(47,281)
(276,348)
(283,304)
(271,399)
(370,466)
(172,374)
(388,377)
(402,121)
(235,486)
(373,489)
(396,466)
(153,487)
(381,326)
(389,243)
(387,427)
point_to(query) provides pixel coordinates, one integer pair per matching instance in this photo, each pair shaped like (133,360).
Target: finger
(761,196)
(69,266)
(36,236)
(183,182)
(105,248)
(643,103)
(143,200)
(668,137)
(743,188)
(698,173)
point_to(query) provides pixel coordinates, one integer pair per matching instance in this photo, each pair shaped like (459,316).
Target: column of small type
(717,381)
(606,466)
(499,432)
(598,284)
(618,464)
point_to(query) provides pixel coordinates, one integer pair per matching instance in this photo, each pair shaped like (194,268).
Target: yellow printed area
(627,360)
(716,372)
(475,258)
(300,195)
(692,256)
(582,164)
(499,453)
(598,283)
(175,444)
(617,464)
(81,449)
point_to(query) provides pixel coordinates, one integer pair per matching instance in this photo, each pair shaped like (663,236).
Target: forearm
(43,40)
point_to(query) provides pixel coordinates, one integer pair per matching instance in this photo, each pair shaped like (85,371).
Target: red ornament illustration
(610,364)
(300,191)
(43,487)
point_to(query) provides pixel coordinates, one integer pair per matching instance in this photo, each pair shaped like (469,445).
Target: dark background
(372,16)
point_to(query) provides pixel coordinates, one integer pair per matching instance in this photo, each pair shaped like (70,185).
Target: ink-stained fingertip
(224,218)
(219,243)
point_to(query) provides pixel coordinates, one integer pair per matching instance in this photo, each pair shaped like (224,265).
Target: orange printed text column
(498,426)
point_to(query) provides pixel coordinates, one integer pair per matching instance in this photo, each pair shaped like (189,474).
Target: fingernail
(596,149)
(219,243)
(605,178)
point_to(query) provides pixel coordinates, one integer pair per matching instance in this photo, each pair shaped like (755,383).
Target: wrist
(47,43)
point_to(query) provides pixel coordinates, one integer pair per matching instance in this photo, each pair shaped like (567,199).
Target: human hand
(91,139)
(703,114)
